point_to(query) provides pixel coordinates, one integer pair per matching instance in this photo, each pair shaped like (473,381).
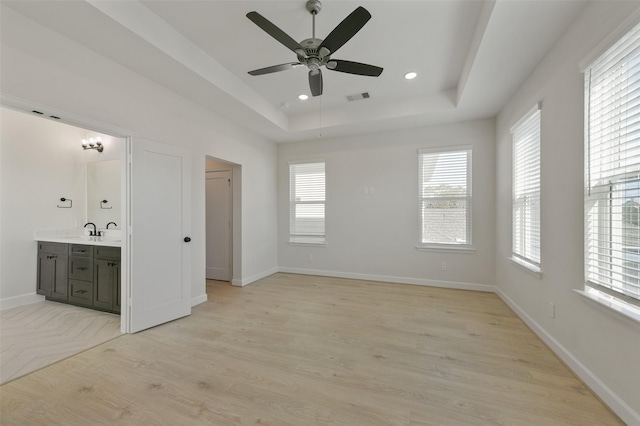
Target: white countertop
(112,237)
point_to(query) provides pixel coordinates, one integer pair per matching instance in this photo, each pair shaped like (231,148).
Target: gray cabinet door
(117,284)
(45,274)
(52,275)
(52,270)
(104,276)
(60,286)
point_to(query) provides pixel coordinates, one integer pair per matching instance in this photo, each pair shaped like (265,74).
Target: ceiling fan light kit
(315,53)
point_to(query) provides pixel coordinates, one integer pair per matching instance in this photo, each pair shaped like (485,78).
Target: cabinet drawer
(109,253)
(80,250)
(80,268)
(81,292)
(53,248)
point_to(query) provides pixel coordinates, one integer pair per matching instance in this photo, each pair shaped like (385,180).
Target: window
(445,198)
(526,189)
(307,202)
(612,148)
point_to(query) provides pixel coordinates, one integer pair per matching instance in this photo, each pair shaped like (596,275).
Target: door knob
(187,239)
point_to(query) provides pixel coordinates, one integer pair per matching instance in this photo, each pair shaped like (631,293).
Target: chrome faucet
(114,224)
(95,232)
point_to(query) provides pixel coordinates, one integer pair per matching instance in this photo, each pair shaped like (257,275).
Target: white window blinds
(526,188)
(445,197)
(612,198)
(307,202)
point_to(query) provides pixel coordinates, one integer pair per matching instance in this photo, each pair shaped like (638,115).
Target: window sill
(310,244)
(445,249)
(532,269)
(623,309)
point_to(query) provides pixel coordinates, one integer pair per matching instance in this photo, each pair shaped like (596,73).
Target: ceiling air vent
(358,97)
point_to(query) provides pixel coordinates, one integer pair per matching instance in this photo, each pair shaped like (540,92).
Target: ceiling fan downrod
(314,7)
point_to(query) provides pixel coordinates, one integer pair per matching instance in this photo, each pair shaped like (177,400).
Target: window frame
(467,246)
(298,238)
(604,192)
(527,258)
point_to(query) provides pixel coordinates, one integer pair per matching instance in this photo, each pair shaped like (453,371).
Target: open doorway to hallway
(222,206)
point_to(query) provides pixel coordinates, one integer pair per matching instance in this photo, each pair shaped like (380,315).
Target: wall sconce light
(93,144)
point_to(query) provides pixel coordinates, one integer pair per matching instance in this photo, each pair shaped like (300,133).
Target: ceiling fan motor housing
(311,46)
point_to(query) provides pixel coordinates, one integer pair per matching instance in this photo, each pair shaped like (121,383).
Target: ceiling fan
(315,53)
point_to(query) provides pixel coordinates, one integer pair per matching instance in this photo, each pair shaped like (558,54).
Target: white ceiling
(470,56)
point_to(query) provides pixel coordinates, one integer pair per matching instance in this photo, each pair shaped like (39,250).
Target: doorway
(219,223)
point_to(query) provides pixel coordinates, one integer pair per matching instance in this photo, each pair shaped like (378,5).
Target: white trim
(22,300)
(445,149)
(613,401)
(199,299)
(246,281)
(307,161)
(530,268)
(605,301)
(537,107)
(25,106)
(446,249)
(390,279)
(300,243)
(611,39)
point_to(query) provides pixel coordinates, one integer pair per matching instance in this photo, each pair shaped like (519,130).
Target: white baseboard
(621,408)
(246,281)
(198,300)
(22,300)
(391,279)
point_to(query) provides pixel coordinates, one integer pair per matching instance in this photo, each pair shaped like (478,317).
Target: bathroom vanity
(85,272)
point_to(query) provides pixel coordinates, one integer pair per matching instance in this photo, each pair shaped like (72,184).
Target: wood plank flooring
(300,350)
(40,334)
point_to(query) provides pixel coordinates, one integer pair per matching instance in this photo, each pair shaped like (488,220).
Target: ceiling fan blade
(354,68)
(315,82)
(275,68)
(274,31)
(346,29)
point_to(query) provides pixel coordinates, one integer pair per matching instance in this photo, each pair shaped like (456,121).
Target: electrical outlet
(552,310)
(443,266)
(366,190)
(310,258)
(371,190)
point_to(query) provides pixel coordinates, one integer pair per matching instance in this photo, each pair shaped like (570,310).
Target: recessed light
(410,75)
(303,97)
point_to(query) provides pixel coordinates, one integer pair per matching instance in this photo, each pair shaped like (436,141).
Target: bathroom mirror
(103,193)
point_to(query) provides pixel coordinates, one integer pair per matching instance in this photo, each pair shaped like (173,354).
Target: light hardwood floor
(299,350)
(37,335)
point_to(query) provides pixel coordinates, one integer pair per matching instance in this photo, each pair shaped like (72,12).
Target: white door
(218,211)
(160,231)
